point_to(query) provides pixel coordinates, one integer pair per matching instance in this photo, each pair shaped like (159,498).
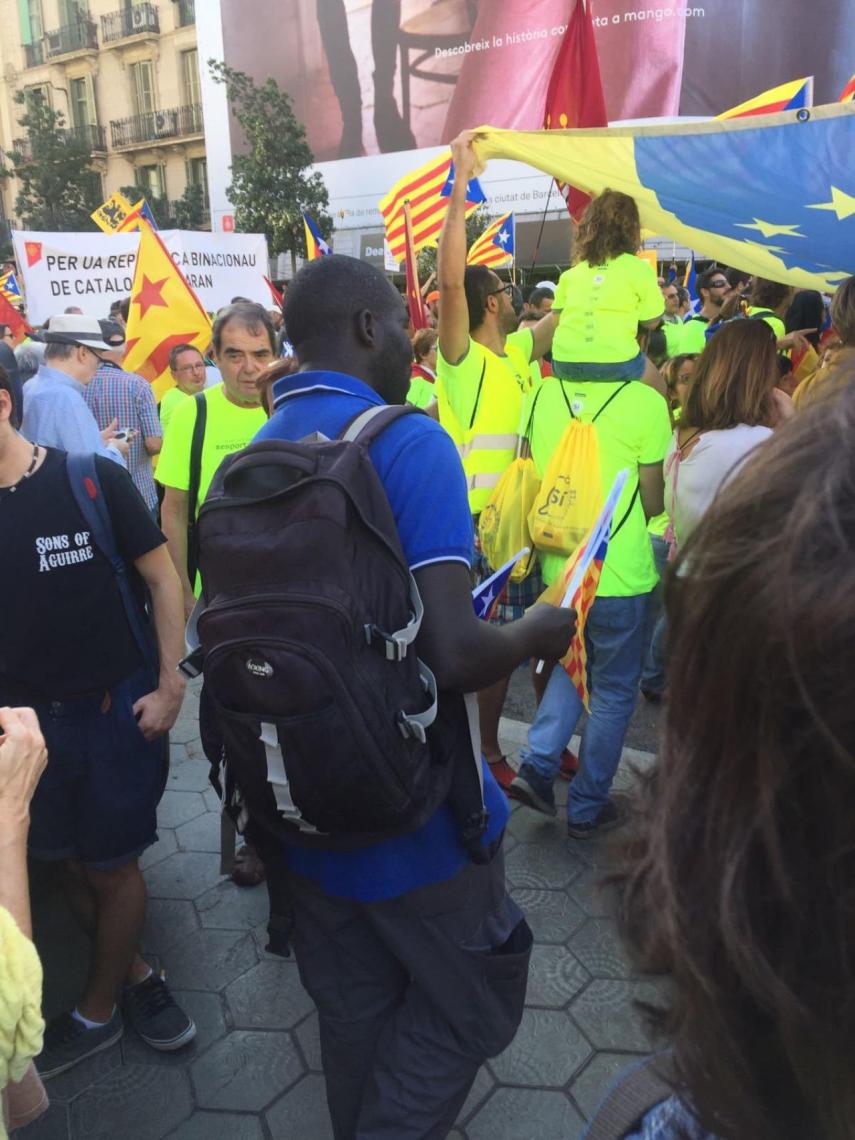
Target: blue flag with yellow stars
(771,194)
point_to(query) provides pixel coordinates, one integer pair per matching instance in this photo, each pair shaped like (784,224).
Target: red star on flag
(150,295)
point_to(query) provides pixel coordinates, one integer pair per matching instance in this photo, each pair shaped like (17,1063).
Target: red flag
(277,296)
(414,296)
(10,316)
(575,97)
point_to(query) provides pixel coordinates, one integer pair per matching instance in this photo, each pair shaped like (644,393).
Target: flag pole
(414,297)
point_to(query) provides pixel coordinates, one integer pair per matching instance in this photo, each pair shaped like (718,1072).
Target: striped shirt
(126,397)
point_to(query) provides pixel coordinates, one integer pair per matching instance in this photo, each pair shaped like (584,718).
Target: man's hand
(189,602)
(795,339)
(158,711)
(109,432)
(550,630)
(23,757)
(463,157)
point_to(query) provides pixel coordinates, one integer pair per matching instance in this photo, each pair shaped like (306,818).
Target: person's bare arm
(467,654)
(542,334)
(22,760)
(651,489)
(152,444)
(453,326)
(173,522)
(653,323)
(157,711)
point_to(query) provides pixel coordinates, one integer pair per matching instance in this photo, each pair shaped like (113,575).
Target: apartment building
(125,75)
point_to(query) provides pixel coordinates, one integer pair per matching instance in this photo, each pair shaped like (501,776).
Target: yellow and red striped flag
(164,312)
(786,97)
(848,92)
(427,189)
(495,246)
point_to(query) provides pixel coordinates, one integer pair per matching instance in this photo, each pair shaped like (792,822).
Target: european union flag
(772,194)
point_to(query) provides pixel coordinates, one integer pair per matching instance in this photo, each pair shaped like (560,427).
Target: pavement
(254,1070)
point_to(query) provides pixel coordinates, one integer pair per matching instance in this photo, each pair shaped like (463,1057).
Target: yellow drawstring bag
(503,526)
(571,492)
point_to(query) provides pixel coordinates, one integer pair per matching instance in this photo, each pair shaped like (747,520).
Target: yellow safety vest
(487,440)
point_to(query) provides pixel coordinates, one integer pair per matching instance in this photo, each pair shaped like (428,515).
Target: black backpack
(321,724)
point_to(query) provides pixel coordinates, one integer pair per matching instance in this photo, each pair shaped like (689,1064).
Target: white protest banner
(89,271)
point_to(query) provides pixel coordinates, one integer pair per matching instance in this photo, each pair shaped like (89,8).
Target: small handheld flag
(111,214)
(485,597)
(315,244)
(495,246)
(9,287)
(786,97)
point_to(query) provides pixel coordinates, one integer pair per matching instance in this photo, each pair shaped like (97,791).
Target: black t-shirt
(63,628)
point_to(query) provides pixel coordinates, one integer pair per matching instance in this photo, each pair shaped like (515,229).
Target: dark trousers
(413,995)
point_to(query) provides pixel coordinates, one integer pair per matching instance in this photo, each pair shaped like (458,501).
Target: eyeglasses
(719,284)
(509,289)
(200,367)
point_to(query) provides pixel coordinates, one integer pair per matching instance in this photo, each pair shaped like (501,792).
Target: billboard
(382,84)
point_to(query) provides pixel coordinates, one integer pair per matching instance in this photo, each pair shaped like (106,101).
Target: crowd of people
(723,596)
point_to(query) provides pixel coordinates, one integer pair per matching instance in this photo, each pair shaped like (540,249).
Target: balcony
(78,38)
(34,54)
(186,13)
(94,137)
(130,23)
(157,127)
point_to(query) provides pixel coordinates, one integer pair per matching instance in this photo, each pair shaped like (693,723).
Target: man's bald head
(342,314)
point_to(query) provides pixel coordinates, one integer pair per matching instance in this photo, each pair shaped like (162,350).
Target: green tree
(57,187)
(190,208)
(271,182)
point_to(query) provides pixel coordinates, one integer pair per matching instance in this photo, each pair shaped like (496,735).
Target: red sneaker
(569,765)
(503,773)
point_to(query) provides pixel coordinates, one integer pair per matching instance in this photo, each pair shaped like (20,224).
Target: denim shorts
(97,799)
(623,370)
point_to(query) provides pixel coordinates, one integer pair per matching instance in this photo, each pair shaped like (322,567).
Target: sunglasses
(719,284)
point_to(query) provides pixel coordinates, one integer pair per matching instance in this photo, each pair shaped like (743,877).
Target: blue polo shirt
(420,470)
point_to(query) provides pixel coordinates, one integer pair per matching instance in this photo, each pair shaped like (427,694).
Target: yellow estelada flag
(164,312)
(111,214)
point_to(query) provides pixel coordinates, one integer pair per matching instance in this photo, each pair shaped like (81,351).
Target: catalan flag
(9,287)
(139,216)
(164,312)
(414,294)
(315,244)
(495,246)
(486,596)
(787,97)
(848,92)
(795,228)
(427,189)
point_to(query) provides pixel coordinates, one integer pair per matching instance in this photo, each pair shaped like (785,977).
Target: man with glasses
(713,290)
(55,410)
(187,366)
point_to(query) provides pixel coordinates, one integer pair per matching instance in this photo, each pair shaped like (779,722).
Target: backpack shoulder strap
(762,314)
(197,442)
(89,496)
(366,426)
(642,1088)
(614,394)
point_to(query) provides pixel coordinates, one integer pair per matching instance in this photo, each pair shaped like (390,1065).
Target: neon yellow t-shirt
(775,323)
(675,338)
(421,393)
(634,429)
(693,337)
(228,428)
(459,383)
(172,399)
(601,306)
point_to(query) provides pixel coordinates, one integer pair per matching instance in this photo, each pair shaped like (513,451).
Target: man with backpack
(408,942)
(80,552)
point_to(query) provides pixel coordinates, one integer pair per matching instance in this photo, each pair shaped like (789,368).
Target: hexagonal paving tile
(87,1075)
(269,996)
(552,915)
(594,897)
(155,1099)
(246,1071)
(219,1126)
(185,875)
(529,826)
(511,1114)
(539,866)
(177,807)
(598,947)
(188,775)
(607,1014)
(547,1051)
(308,1038)
(229,907)
(166,845)
(207,1012)
(302,1112)
(167,921)
(201,833)
(185,729)
(210,959)
(482,1086)
(592,1084)
(554,977)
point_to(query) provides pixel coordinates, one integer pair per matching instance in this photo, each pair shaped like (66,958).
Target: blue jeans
(614,636)
(621,370)
(653,673)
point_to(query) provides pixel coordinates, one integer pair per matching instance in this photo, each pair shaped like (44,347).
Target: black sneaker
(156,1016)
(533,791)
(68,1041)
(609,817)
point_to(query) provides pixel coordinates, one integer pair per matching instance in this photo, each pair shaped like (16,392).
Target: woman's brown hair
(769,294)
(740,881)
(423,342)
(733,379)
(609,227)
(843,311)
